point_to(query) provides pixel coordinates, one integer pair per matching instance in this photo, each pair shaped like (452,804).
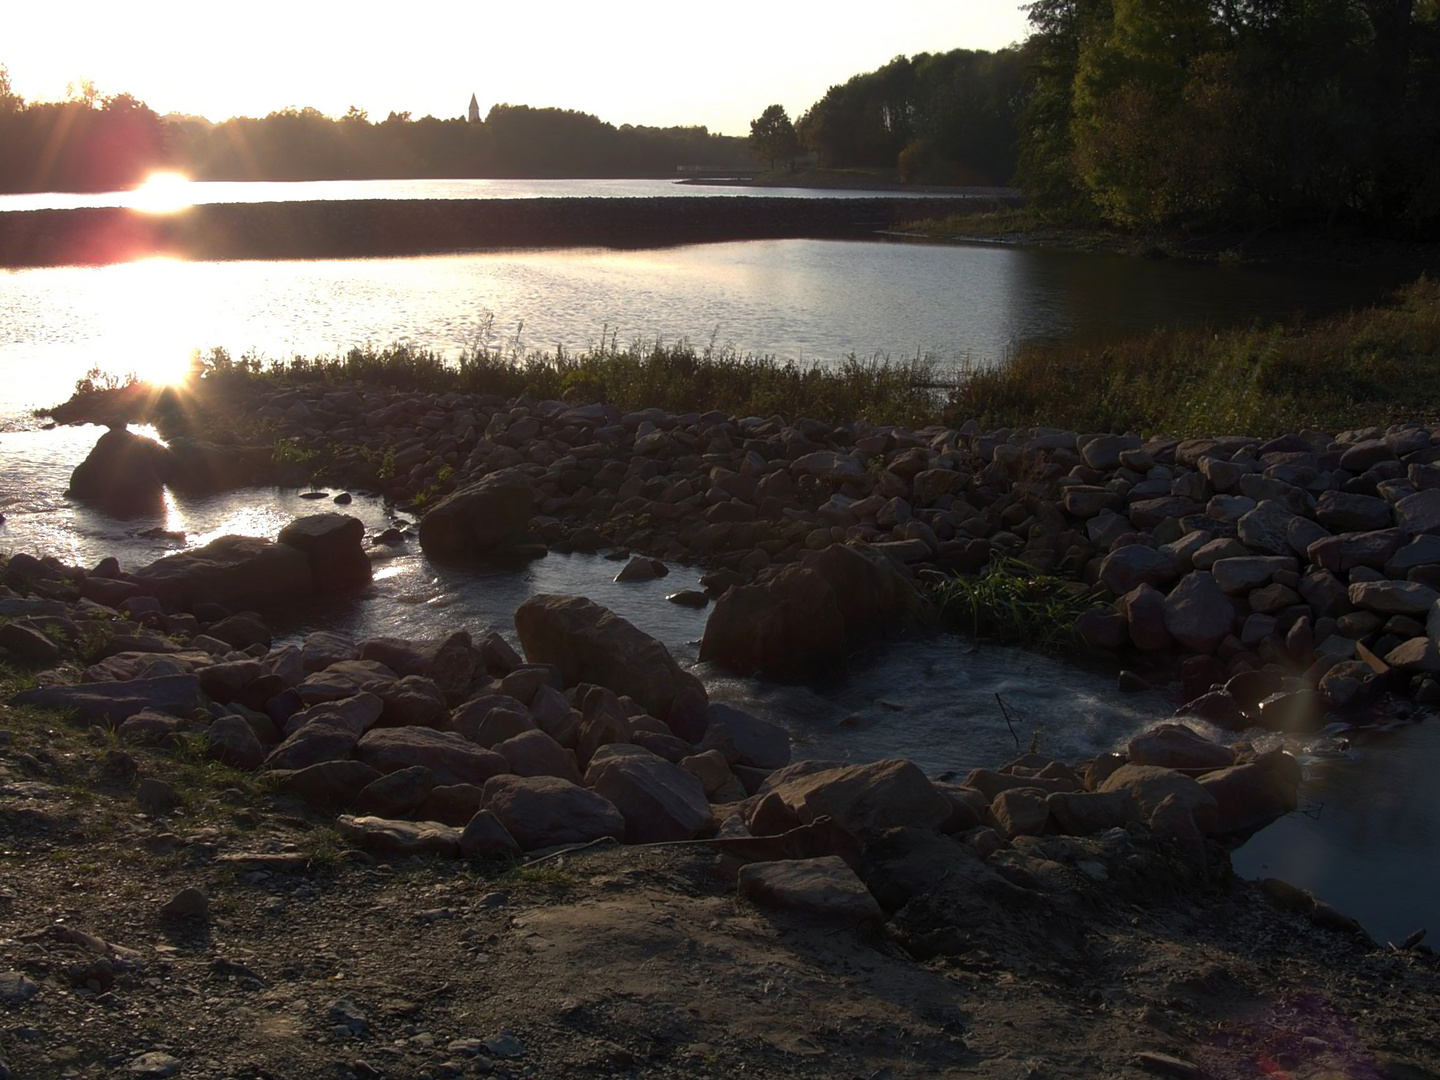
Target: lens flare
(162,193)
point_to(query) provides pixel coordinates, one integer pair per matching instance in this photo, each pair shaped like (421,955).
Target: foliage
(677,377)
(939,118)
(772,136)
(1199,112)
(1012,601)
(1376,366)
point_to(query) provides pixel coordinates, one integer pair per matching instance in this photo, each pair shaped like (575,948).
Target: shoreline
(359,228)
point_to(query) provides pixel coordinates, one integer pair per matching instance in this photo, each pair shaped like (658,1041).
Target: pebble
(155,1064)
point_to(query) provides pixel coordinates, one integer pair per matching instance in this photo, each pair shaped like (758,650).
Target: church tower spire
(474,110)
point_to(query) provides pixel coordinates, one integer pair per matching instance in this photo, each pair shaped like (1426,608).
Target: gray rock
(112,703)
(866,799)
(1084,813)
(189,903)
(486,837)
(231,740)
(1342,511)
(1393,597)
(1342,554)
(311,745)
(154,1064)
(490,719)
(16,989)
(399,837)
(1264,529)
(1020,811)
(1127,568)
(746,739)
(1419,513)
(826,887)
(489,515)
(395,794)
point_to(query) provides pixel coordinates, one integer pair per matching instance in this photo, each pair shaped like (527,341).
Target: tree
(772,136)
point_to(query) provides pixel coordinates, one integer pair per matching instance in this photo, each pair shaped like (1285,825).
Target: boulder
(490,515)
(334,544)
(1150,785)
(490,719)
(346,679)
(589,643)
(1393,597)
(123,475)
(866,799)
(659,801)
(450,757)
(394,795)
(1419,513)
(356,714)
(1020,812)
(232,741)
(1252,795)
(233,571)
(1083,813)
(486,837)
(1264,529)
(542,811)
(1175,746)
(534,753)
(311,745)
(1197,613)
(328,783)
(450,804)
(826,887)
(413,700)
(1341,554)
(1129,567)
(111,703)
(746,739)
(787,627)
(399,837)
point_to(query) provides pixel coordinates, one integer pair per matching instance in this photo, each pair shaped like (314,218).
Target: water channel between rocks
(1367,838)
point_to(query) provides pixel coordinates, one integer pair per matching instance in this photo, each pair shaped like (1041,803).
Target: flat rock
(826,887)
(659,801)
(112,702)
(399,837)
(452,758)
(865,799)
(1175,746)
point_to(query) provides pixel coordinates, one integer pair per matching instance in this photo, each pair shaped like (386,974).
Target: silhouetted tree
(772,136)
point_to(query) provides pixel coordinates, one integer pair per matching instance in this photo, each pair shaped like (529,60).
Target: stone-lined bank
(1305,566)
(466,747)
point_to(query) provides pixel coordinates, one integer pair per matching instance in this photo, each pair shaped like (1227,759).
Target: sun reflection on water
(147,314)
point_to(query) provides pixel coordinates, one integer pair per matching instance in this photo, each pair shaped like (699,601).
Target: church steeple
(474,110)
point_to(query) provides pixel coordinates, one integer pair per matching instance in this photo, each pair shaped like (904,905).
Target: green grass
(1373,367)
(1012,601)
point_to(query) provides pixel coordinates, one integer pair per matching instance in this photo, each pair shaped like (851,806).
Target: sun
(162,193)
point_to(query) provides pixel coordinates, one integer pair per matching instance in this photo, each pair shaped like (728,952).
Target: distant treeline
(97,144)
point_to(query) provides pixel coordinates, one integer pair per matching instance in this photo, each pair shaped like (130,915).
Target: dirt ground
(316,961)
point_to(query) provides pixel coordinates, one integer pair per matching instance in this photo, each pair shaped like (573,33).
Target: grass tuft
(1012,601)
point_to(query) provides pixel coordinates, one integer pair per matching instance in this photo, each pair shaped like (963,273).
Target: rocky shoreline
(466,750)
(589,734)
(1282,580)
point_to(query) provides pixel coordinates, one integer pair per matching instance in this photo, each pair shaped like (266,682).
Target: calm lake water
(809,300)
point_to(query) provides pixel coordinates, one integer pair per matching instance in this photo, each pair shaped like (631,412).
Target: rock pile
(462,747)
(1312,557)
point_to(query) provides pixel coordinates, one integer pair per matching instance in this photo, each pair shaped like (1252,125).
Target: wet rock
(234,571)
(490,515)
(746,739)
(826,887)
(124,474)
(334,544)
(1175,746)
(641,568)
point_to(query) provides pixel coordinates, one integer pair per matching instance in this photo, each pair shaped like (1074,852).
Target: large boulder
(334,545)
(659,801)
(746,739)
(1175,746)
(124,474)
(541,811)
(487,516)
(1197,613)
(1254,794)
(589,643)
(234,572)
(203,468)
(450,757)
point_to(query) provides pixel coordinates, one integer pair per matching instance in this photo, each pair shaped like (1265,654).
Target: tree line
(96,143)
(1173,114)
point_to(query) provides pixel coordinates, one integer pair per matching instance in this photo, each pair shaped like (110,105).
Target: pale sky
(626,61)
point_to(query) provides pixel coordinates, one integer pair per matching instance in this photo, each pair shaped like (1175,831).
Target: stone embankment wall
(408,227)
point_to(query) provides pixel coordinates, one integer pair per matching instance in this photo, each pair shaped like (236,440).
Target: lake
(810,300)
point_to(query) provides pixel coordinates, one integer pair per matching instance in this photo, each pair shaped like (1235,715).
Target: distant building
(474,110)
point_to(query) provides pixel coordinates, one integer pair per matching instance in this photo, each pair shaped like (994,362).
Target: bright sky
(626,61)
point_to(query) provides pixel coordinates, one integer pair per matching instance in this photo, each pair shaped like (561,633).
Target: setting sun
(163,193)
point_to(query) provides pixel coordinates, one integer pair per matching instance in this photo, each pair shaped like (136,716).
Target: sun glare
(147,305)
(163,193)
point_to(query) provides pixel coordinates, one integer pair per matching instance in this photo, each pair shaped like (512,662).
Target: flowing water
(1371,846)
